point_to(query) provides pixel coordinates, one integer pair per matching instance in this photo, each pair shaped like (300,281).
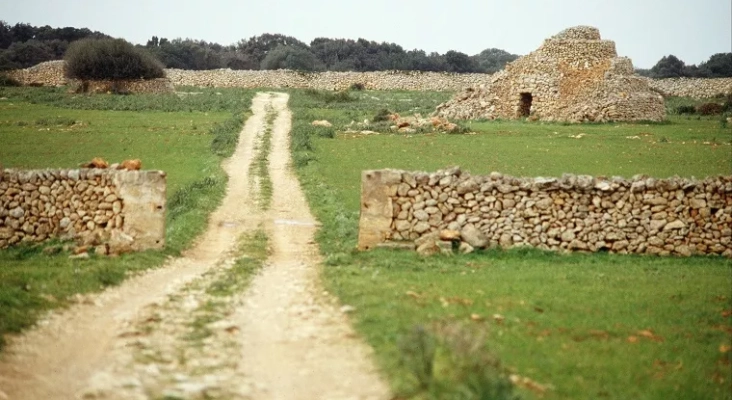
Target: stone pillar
(377,187)
(144,207)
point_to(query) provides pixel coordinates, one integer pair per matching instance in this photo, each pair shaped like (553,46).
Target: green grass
(588,326)
(252,253)
(260,163)
(179,142)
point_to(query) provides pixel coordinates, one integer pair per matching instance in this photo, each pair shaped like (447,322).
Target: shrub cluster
(727,105)
(328,97)
(8,81)
(709,109)
(114,59)
(685,109)
(357,86)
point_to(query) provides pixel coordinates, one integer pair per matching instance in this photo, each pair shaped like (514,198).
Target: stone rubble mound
(574,76)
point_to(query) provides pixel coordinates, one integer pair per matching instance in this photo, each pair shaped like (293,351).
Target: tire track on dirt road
(296,343)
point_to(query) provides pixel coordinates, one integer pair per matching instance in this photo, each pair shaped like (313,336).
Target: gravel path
(282,338)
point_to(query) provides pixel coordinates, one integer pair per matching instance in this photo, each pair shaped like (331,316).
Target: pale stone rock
(474,237)
(422,227)
(677,224)
(568,236)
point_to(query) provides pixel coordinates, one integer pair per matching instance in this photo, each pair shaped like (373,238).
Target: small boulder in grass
(322,122)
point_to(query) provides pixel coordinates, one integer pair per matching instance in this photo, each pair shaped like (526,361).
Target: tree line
(276,51)
(23,45)
(717,66)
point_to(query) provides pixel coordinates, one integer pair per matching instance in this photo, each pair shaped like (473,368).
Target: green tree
(718,65)
(6,38)
(110,59)
(668,67)
(493,60)
(256,48)
(291,57)
(460,62)
(29,53)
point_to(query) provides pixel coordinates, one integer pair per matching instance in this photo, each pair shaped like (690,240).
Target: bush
(382,115)
(453,361)
(357,86)
(292,58)
(685,109)
(727,106)
(327,97)
(709,109)
(8,81)
(115,59)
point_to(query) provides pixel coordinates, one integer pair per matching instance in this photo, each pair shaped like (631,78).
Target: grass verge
(559,326)
(252,253)
(178,142)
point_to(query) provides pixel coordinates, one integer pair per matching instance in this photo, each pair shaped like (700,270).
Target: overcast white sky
(644,30)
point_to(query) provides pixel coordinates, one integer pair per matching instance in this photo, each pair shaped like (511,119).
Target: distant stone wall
(123,208)
(572,213)
(697,88)
(51,74)
(379,80)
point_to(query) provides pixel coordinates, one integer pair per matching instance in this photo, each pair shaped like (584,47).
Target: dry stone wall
(573,213)
(51,74)
(379,80)
(125,209)
(697,88)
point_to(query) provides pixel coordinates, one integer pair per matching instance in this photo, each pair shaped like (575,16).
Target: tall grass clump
(114,59)
(6,81)
(452,362)
(226,135)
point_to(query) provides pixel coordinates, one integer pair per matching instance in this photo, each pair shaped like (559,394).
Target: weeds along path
(190,329)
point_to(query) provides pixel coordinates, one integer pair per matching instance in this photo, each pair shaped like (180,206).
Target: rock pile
(574,76)
(572,213)
(95,206)
(396,123)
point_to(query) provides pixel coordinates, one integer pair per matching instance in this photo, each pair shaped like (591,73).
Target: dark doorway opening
(525,105)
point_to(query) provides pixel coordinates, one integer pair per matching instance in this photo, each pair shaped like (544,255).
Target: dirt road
(282,338)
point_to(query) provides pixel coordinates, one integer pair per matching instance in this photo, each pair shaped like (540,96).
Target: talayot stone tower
(574,76)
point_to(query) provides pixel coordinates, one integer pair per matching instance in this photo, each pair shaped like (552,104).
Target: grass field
(186,136)
(574,326)
(577,326)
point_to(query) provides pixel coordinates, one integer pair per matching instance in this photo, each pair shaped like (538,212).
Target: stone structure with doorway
(574,76)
